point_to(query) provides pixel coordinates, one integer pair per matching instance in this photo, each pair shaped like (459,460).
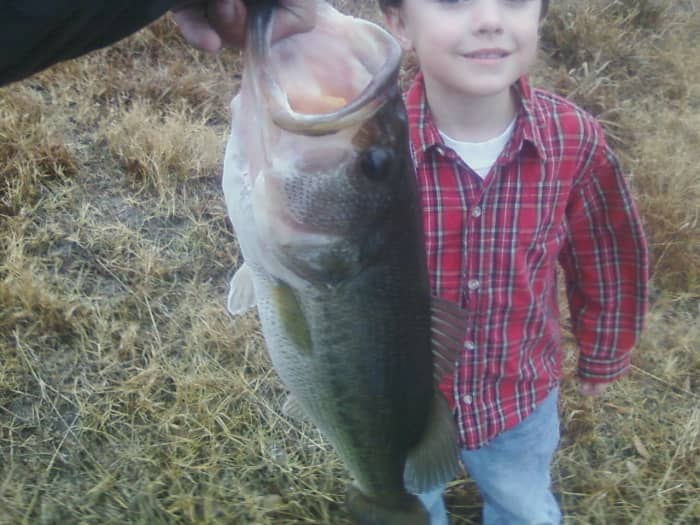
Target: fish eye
(375,163)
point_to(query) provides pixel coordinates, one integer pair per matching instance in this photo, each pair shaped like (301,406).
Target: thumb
(196,28)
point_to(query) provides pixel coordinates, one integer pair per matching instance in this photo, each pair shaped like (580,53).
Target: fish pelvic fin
(435,459)
(365,511)
(448,324)
(241,294)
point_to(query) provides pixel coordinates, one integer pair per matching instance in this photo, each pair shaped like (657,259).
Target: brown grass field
(129,396)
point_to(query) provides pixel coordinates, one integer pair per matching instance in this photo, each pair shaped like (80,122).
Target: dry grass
(635,66)
(127,395)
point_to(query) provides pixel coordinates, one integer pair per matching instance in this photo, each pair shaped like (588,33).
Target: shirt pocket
(444,243)
(537,218)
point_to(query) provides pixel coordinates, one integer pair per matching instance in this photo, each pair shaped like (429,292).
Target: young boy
(512,181)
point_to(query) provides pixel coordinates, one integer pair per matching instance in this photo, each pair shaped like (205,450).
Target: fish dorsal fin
(435,459)
(241,294)
(448,325)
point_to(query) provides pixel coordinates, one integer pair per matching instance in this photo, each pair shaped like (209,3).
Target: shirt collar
(425,136)
(529,124)
(422,130)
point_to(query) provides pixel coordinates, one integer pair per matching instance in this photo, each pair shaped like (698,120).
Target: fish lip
(369,101)
(487,53)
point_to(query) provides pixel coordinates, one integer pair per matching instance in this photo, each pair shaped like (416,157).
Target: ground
(128,395)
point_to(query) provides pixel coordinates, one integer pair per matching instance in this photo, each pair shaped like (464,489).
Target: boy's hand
(591,389)
(210,25)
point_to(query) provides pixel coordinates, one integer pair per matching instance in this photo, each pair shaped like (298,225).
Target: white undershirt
(480,156)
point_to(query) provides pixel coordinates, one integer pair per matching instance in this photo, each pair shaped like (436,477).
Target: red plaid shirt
(555,194)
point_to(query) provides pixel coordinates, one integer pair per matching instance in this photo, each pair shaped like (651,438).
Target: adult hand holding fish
(210,25)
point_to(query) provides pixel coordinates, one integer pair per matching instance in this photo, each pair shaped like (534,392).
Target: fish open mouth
(316,83)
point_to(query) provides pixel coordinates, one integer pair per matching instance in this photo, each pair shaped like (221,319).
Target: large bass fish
(321,191)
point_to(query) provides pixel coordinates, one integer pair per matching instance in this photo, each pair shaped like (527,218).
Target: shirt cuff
(603,370)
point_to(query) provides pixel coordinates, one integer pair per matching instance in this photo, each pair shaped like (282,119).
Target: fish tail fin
(366,511)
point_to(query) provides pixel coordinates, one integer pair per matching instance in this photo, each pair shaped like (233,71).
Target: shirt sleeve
(605,262)
(35,34)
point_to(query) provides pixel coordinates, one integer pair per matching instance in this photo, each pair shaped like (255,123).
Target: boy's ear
(394,23)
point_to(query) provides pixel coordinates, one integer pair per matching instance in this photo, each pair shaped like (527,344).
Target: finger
(592,389)
(297,16)
(228,18)
(196,29)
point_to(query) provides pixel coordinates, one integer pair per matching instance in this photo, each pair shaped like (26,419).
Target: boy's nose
(486,17)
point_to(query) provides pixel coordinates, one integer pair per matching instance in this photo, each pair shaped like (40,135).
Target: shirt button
(467,399)
(469,345)
(476,211)
(473,284)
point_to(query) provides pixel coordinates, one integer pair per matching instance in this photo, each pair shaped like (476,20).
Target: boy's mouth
(487,54)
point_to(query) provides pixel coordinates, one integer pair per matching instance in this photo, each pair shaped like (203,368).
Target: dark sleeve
(35,34)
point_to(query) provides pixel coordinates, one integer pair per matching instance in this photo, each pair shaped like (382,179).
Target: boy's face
(469,48)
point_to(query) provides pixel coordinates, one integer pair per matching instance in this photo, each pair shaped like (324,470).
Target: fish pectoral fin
(241,294)
(365,511)
(448,324)
(292,409)
(435,459)
(292,317)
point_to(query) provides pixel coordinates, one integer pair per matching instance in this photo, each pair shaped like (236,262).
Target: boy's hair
(386,4)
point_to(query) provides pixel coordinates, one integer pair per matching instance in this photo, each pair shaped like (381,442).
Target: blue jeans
(512,472)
